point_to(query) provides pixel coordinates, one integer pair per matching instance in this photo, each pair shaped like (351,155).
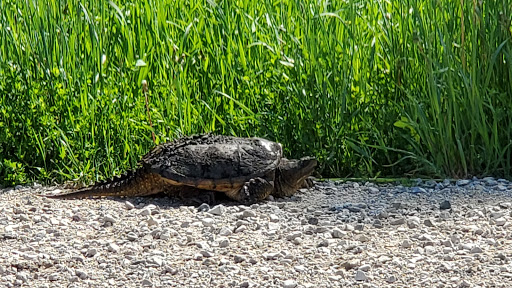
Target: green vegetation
(394,88)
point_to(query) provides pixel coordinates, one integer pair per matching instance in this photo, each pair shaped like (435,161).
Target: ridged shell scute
(214,162)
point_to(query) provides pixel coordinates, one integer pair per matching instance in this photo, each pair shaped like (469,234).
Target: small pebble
(337,233)
(445,205)
(248,213)
(391,279)
(373,190)
(152,221)
(463,182)
(289,283)
(91,252)
(418,190)
(203,207)
(112,247)
(476,249)
(207,222)
(224,242)
(429,223)
(413,222)
(398,221)
(145,212)
(218,210)
(128,205)
(500,221)
(406,243)
(360,276)
(109,218)
(365,267)
(132,236)
(313,221)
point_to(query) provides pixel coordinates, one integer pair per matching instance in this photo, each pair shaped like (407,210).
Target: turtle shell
(214,162)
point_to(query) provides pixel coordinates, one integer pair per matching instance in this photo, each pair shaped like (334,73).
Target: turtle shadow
(165,201)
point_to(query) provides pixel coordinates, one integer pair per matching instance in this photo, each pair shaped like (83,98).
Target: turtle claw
(308,182)
(255,190)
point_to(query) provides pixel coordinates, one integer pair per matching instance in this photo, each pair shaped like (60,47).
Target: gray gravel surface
(435,234)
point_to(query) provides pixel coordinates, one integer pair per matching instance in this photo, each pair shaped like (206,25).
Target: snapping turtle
(245,169)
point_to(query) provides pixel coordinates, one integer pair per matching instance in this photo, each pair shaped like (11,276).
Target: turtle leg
(254,190)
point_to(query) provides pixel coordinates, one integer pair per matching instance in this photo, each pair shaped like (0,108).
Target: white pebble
(218,210)
(208,222)
(406,243)
(360,276)
(337,233)
(128,205)
(500,221)
(289,283)
(152,221)
(365,267)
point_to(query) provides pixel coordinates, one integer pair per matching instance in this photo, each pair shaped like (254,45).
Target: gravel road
(435,234)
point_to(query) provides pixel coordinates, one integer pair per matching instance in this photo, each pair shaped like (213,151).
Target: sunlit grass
(372,88)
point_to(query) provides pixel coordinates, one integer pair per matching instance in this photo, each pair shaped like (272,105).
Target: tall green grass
(371,88)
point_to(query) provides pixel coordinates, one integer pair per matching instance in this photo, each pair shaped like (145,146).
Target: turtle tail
(139,182)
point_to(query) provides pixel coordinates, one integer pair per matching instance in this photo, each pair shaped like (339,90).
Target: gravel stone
(218,210)
(248,213)
(463,182)
(132,236)
(289,283)
(223,242)
(293,235)
(359,227)
(476,250)
(113,247)
(337,233)
(418,190)
(398,221)
(362,238)
(145,212)
(406,243)
(225,231)
(151,221)
(391,279)
(429,223)
(365,267)
(395,236)
(445,205)
(313,221)
(109,219)
(500,221)
(128,205)
(203,207)
(505,205)
(91,252)
(373,190)
(413,222)
(208,222)
(360,276)
(81,274)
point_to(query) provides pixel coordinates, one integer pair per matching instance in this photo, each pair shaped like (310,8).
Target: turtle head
(291,174)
